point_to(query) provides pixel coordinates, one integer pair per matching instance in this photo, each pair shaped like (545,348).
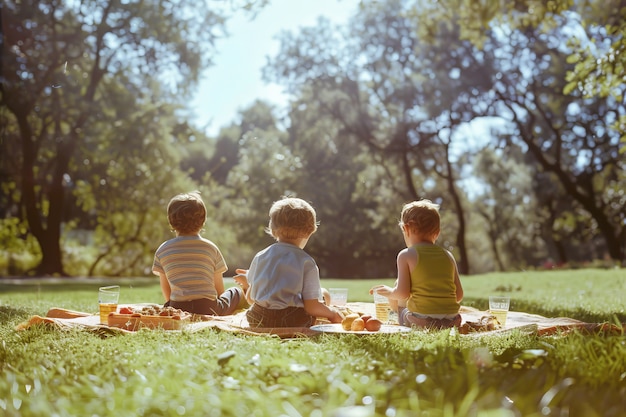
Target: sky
(234,81)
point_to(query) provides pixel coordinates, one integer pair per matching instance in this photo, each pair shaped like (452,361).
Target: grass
(213,373)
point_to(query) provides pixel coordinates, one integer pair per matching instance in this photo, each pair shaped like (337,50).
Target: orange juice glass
(108,298)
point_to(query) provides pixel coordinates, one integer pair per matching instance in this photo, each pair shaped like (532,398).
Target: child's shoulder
(188,241)
(279,249)
(207,242)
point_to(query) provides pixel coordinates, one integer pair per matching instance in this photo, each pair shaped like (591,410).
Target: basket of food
(150,317)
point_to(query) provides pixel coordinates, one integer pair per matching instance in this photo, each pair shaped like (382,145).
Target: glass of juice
(107,299)
(382,307)
(499,307)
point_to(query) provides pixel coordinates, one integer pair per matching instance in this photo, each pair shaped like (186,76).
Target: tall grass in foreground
(213,373)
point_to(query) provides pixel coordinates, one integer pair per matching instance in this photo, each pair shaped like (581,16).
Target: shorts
(411,319)
(231,300)
(285,317)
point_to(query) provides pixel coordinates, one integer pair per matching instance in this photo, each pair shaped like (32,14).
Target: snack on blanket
(373,324)
(153,316)
(357,325)
(346,323)
(153,310)
(358,322)
(159,311)
(365,317)
(484,324)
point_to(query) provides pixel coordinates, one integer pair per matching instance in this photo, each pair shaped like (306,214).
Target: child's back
(191,267)
(428,290)
(283,283)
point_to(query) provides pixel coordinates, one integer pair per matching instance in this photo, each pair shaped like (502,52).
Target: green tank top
(433,290)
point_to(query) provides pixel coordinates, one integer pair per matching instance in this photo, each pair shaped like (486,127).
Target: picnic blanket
(532,323)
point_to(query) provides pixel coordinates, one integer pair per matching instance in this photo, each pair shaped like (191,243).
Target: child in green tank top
(428,290)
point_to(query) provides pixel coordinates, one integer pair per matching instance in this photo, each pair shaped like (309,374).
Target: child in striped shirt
(191,267)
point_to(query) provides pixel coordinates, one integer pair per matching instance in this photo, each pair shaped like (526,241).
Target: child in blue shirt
(283,283)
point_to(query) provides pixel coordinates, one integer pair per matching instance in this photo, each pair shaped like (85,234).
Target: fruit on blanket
(357,325)
(373,324)
(165,312)
(346,323)
(366,317)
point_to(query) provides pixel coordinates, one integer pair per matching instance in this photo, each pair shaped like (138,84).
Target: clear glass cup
(338,296)
(381,303)
(499,307)
(108,298)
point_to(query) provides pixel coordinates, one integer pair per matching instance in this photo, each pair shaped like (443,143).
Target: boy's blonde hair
(291,218)
(422,217)
(186,213)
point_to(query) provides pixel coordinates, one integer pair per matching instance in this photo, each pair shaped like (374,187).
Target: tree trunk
(463,261)
(47,230)
(576,187)
(51,261)
(493,238)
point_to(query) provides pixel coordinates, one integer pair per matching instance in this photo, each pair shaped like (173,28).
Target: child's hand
(381,289)
(242,279)
(337,318)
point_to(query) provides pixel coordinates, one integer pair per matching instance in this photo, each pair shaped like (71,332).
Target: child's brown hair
(422,217)
(291,218)
(186,213)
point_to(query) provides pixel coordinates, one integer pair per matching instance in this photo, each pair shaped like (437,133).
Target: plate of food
(356,323)
(338,328)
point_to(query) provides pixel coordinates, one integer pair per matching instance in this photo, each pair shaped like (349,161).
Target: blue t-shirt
(283,275)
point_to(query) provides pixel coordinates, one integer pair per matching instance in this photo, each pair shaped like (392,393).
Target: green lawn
(213,373)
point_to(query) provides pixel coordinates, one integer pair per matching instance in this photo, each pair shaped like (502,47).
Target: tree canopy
(509,115)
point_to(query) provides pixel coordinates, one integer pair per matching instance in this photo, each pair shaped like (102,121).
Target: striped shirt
(189,263)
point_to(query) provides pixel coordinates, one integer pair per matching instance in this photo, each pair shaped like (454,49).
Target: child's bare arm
(459,289)
(317,309)
(165,286)
(402,287)
(218,281)
(457,280)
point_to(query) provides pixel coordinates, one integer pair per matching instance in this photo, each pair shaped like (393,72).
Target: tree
(569,136)
(306,161)
(141,170)
(599,58)
(266,171)
(506,203)
(573,53)
(342,180)
(403,98)
(63,63)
